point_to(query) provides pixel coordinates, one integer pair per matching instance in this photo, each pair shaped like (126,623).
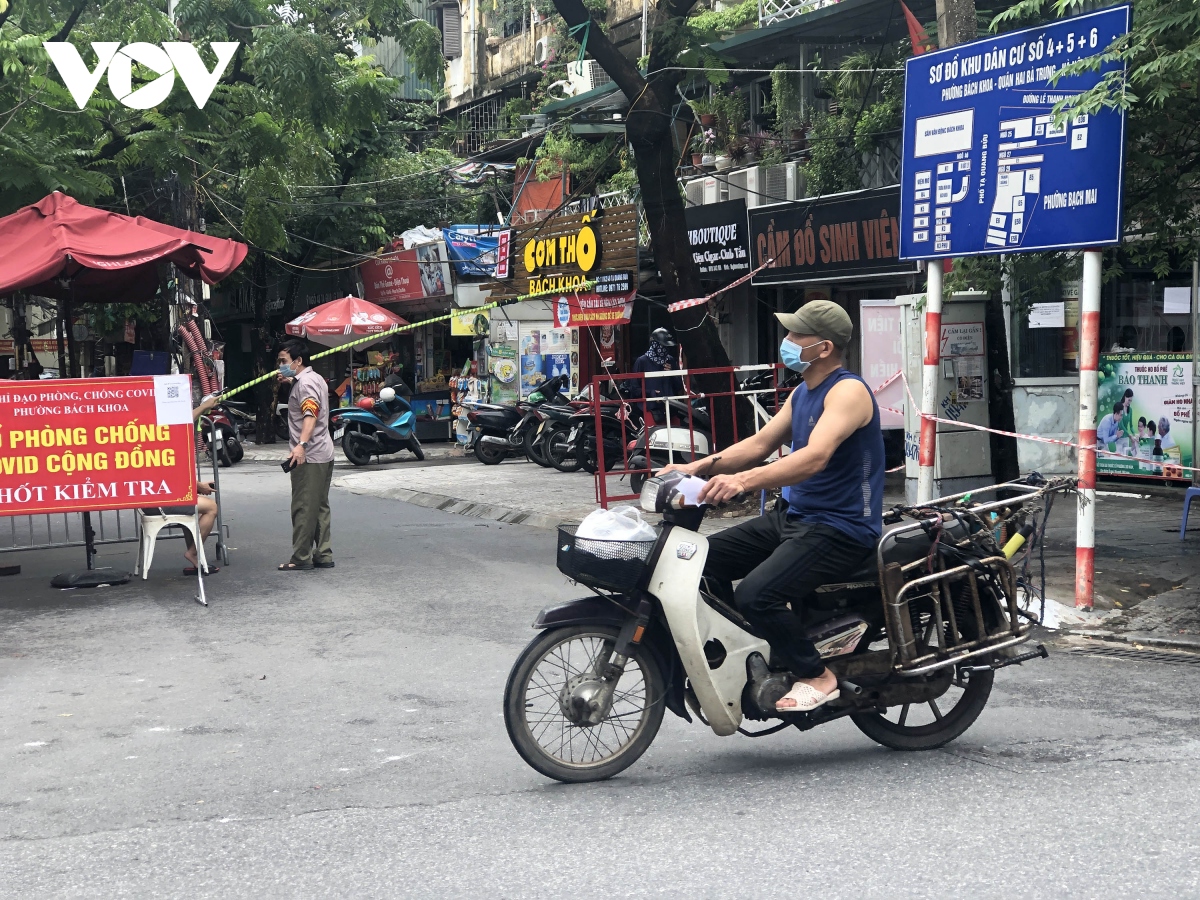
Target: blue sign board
(988,168)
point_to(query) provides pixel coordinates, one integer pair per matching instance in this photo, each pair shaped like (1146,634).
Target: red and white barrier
(927,451)
(1089,362)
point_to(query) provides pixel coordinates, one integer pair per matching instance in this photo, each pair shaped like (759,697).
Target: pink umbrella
(342,321)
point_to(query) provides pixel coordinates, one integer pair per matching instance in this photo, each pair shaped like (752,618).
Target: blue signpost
(987,168)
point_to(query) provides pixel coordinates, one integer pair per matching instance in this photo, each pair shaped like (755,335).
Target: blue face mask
(286,371)
(790,354)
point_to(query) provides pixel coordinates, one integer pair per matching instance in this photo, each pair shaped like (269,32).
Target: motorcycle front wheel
(415,446)
(537,703)
(356,448)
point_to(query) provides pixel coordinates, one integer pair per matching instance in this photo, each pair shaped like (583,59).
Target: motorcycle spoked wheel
(934,723)
(489,454)
(539,727)
(356,448)
(588,458)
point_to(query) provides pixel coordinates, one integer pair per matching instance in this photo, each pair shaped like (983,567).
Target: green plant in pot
(704,144)
(702,110)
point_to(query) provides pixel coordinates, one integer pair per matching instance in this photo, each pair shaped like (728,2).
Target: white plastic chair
(151,525)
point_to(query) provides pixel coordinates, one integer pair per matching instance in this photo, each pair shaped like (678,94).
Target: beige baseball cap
(823,318)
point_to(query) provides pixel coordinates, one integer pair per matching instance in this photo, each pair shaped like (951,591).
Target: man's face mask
(790,354)
(286,370)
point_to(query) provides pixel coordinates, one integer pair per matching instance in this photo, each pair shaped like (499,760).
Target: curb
(1179,642)
(486,511)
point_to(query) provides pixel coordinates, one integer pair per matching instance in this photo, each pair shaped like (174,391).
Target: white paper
(1048,315)
(173,399)
(689,489)
(1177,301)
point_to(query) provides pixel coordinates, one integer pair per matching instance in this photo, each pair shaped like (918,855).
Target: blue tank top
(848,494)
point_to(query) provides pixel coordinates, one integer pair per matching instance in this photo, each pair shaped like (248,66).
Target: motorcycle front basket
(612,565)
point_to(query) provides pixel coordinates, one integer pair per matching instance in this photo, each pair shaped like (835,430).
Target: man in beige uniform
(312,458)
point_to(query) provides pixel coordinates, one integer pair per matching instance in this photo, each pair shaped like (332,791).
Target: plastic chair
(1192,493)
(151,525)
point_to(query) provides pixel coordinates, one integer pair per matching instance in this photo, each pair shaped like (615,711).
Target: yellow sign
(581,250)
(472,324)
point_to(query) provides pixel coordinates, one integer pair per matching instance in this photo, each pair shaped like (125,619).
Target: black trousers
(782,561)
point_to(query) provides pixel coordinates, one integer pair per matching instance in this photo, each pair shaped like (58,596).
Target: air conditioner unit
(543,54)
(693,191)
(714,190)
(782,182)
(736,183)
(586,75)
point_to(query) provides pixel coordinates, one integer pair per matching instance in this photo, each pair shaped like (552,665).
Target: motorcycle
(229,448)
(586,697)
(498,431)
(550,439)
(661,444)
(387,427)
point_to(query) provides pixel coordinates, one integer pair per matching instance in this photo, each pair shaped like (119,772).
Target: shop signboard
(584,265)
(40,345)
(73,445)
(407,275)
(842,236)
(882,358)
(717,235)
(479,251)
(1145,402)
(988,167)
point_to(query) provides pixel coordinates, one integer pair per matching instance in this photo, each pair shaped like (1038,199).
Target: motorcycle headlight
(648,500)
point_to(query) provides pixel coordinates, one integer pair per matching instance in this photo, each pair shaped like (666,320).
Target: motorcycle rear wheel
(560,452)
(489,454)
(550,742)
(356,448)
(926,726)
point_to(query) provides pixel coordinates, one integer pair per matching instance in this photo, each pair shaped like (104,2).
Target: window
(450,20)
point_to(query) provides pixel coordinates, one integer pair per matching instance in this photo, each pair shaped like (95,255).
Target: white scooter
(913,638)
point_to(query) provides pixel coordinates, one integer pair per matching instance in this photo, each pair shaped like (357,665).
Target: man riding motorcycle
(832,517)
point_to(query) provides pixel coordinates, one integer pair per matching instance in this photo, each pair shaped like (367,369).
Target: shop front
(1144,417)
(416,283)
(583,273)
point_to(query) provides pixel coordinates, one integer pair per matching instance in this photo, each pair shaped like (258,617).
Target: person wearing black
(659,357)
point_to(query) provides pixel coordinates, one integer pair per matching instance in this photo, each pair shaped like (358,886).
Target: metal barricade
(46,531)
(624,418)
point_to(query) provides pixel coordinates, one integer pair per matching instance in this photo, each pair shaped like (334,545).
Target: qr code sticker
(172,392)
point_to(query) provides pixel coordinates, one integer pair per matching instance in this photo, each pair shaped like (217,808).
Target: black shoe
(324,565)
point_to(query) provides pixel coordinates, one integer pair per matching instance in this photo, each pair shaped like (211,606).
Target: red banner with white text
(70,445)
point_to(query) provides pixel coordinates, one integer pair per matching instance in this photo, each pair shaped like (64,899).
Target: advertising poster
(477,324)
(556,353)
(717,235)
(407,275)
(1145,414)
(531,360)
(502,366)
(882,357)
(86,444)
(585,310)
(479,251)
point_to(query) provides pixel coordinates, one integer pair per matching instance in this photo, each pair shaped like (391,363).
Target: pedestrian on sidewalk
(311,460)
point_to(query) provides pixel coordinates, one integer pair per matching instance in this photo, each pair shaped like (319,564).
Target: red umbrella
(342,321)
(58,247)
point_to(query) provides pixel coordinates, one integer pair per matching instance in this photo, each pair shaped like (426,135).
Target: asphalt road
(339,733)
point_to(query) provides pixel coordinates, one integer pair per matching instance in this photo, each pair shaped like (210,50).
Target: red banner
(586,310)
(407,275)
(40,345)
(69,445)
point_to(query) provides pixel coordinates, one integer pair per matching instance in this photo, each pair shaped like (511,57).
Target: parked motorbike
(914,671)
(499,431)
(661,444)
(229,448)
(620,424)
(387,427)
(552,432)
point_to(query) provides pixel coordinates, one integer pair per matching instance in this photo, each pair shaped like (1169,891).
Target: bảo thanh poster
(1145,414)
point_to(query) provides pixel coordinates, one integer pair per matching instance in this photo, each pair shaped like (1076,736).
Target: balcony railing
(772,11)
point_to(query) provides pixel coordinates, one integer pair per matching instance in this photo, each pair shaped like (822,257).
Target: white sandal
(807,698)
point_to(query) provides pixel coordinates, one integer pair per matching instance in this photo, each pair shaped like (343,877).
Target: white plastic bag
(621,523)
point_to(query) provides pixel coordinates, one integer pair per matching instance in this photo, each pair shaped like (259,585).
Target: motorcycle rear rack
(898,593)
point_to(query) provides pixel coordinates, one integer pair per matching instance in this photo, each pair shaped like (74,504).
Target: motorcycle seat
(699,416)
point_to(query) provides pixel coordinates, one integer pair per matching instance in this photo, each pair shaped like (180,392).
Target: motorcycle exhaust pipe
(492,439)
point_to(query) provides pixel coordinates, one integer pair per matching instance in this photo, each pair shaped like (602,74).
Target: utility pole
(955,22)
